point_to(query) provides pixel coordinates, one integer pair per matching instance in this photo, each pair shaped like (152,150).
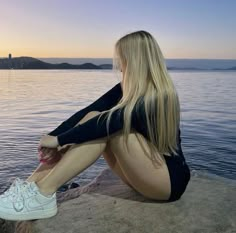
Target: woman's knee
(117,139)
(92,114)
(88,116)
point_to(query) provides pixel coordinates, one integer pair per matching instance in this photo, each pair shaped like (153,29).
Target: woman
(135,126)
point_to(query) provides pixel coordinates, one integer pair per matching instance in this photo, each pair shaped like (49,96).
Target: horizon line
(112,58)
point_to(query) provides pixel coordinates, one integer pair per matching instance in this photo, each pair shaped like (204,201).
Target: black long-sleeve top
(68,133)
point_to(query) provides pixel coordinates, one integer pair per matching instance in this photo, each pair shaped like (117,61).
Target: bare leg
(74,161)
(111,160)
(43,169)
(137,168)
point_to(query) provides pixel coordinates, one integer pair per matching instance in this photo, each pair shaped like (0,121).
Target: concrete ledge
(107,205)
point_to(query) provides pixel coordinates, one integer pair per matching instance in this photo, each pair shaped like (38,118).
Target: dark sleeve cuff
(68,137)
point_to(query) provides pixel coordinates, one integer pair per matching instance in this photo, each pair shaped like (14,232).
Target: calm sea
(34,102)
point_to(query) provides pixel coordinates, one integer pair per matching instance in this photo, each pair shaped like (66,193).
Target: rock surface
(108,205)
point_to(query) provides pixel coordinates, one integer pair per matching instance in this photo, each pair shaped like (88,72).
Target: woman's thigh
(139,170)
(110,158)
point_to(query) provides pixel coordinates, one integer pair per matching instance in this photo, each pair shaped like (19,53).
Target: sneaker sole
(40,214)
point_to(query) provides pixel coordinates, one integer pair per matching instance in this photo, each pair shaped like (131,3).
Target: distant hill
(106,66)
(33,63)
(232,68)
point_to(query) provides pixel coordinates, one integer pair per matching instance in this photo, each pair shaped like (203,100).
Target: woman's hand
(49,155)
(48,141)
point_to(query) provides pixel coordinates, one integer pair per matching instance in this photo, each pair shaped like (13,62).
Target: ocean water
(34,102)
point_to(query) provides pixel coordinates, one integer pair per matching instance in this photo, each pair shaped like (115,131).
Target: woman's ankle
(34,178)
(44,190)
(30,179)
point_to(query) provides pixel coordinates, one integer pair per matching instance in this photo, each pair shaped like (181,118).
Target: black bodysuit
(68,133)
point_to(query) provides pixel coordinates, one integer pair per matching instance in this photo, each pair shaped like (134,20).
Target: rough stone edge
(26,226)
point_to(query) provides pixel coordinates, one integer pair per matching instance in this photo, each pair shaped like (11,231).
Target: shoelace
(22,190)
(12,188)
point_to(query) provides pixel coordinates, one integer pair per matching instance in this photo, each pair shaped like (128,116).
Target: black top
(66,132)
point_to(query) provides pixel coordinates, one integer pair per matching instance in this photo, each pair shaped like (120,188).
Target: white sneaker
(25,202)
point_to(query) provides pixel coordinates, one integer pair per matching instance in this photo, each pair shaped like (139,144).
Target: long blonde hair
(146,75)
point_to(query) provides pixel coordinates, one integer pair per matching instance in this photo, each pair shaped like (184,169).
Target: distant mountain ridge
(33,63)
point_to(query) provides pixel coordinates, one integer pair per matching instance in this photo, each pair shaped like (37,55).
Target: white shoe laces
(18,191)
(21,192)
(11,190)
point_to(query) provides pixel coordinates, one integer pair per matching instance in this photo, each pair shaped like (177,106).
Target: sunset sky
(90,28)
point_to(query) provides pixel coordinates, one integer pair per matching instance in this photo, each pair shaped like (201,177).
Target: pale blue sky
(89,28)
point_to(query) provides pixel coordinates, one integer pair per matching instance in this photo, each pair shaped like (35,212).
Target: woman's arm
(91,130)
(105,102)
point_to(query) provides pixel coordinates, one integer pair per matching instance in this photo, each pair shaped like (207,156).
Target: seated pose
(135,126)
